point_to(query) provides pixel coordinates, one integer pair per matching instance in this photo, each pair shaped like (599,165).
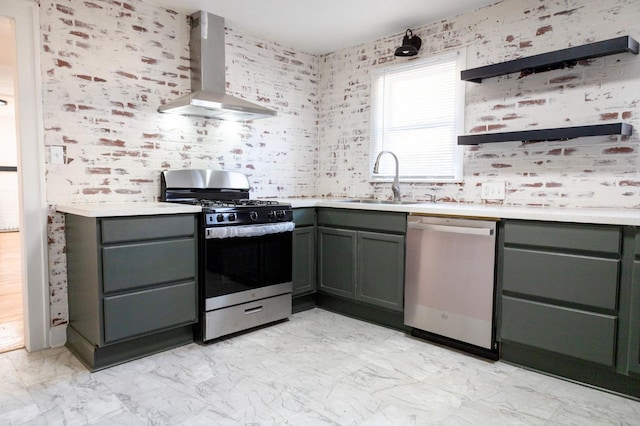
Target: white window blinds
(417,113)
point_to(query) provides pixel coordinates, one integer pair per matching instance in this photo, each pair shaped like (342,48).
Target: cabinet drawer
(222,322)
(138,265)
(571,332)
(145,311)
(304,217)
(116,230)
(571,278)
(605,239)
(360,219)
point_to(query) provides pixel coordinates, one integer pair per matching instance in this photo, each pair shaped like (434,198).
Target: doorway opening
(11,312)
(11,300)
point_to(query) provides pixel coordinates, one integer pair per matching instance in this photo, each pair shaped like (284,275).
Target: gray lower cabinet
(361,256)
(132,285)
(634,312)
(304,251)
(564,301)
(560,286)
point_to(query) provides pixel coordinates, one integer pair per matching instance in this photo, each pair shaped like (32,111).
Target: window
(417,113)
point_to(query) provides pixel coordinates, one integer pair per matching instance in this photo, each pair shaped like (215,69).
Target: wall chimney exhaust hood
(208,86)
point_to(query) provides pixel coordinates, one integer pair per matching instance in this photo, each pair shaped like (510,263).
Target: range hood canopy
(208,85)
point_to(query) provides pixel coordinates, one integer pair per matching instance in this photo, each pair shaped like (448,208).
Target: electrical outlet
(56,154)
(493,191)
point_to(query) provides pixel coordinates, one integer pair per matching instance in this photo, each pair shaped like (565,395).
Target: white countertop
(584,215)
(126,209)
(598,216)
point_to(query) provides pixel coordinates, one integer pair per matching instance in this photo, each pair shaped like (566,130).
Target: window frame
(459,57)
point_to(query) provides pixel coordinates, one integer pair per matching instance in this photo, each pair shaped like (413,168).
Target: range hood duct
(208,86)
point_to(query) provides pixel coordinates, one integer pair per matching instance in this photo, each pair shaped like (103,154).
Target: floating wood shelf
(560,133)
(553,60)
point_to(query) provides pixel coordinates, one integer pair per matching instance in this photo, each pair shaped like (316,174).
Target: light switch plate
(56,154)
(493,191)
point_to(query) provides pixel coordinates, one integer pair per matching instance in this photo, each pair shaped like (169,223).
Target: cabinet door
(337,261)
(380,270)
(634,319)
(304,260)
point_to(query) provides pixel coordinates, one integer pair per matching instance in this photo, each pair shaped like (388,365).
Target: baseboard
(58,336)
(598,376)
(366,312)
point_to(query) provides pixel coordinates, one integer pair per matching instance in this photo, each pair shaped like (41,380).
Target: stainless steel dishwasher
(450,282)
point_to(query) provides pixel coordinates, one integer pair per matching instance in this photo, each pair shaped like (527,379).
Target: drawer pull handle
(253,310)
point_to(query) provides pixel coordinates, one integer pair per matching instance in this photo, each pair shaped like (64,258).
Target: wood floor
(11,320)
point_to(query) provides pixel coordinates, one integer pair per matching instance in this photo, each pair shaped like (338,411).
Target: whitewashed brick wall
(107,66)
(586,172)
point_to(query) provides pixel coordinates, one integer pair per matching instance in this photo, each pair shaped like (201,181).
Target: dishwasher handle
(451,229)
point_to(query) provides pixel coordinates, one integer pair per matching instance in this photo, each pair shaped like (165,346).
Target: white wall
(9,210)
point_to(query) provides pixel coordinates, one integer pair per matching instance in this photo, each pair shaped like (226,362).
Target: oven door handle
(249,230)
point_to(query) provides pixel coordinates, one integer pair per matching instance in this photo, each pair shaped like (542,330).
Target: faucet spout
(395,187)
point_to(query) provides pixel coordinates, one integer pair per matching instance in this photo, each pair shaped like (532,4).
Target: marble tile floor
(318,368)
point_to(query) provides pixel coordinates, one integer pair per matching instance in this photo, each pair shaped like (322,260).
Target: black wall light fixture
(410,45)
(3,102)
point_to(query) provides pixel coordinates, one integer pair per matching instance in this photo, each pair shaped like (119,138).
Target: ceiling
(324,26)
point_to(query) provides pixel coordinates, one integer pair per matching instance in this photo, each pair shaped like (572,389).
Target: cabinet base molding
(379,316)
(96,358)
(303,303)
(570,369)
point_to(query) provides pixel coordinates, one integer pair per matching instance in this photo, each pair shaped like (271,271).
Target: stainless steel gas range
(244,250)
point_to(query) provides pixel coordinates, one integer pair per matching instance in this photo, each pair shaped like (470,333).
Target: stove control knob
(232,217)
(220,217)
(272,215)
(281,214)
(253,216)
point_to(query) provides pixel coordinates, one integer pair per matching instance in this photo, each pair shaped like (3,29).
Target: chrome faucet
(395,187)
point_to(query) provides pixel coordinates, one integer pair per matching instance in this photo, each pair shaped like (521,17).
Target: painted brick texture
(586,172)
(106,67)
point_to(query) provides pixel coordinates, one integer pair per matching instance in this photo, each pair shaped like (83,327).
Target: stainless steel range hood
(208,86)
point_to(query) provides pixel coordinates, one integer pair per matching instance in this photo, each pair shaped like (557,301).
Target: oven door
(243,263)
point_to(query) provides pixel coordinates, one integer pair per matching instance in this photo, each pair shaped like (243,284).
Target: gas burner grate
(247,202)
(235,203)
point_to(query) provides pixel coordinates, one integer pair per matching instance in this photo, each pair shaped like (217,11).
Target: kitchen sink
(370,201)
